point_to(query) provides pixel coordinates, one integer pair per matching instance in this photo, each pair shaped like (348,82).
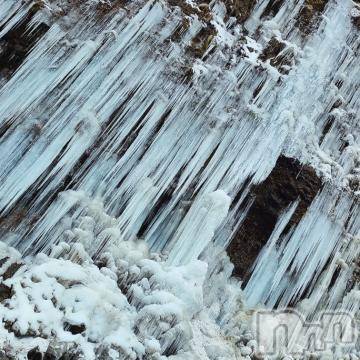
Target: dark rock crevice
(272,8)
(289,180)
(17,43)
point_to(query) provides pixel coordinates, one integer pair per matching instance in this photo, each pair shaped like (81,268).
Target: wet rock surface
(290,180)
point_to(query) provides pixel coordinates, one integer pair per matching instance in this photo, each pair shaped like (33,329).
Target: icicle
(206,217)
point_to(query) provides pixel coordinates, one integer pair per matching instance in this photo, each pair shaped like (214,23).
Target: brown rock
(288,181)
(310,15)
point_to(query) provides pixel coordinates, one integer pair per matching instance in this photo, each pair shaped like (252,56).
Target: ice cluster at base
(126,303)
(94,295)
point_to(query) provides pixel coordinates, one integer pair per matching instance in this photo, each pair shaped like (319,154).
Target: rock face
(309,16)
(278,55)
(240,9)
(272,8)
(16,44)
(289,180)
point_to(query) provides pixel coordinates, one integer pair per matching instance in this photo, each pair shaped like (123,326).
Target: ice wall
(109,104)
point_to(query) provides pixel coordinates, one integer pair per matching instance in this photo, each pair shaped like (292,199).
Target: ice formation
(123,303)
(131,136)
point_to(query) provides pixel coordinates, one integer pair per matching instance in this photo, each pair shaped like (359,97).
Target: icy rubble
(52,297)
(130,305)
(125,303)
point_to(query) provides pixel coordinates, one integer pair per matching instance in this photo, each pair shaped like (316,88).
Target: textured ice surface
(126,303)
(110,118)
